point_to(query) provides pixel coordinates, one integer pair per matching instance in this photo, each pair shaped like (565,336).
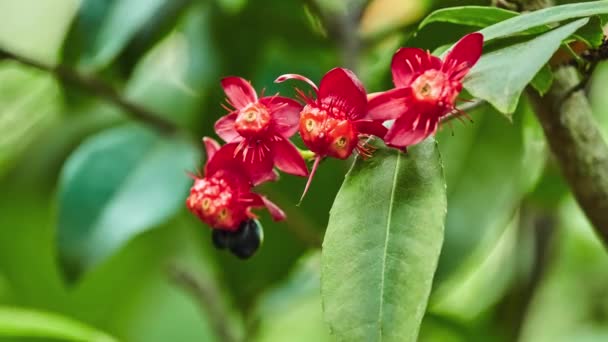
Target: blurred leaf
(543,17)
(104,28)
(484,279)
(384,15)
(116,185)
(172,77)
(382,245)
(501,76)
(292,311)
(571,302)
(232,6)
(35,28)
(490,159)
(598,98)
(19,322)
(29,103)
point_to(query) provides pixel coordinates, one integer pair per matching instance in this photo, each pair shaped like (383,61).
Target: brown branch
(208,298)
(577,144)
(99,88)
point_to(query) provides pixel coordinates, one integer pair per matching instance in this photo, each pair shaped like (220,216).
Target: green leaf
(543,80)
(19,322)
(543,17)
(478,16)
(382,245)
(592,33)
(29,103)
(116,185)
(501,76)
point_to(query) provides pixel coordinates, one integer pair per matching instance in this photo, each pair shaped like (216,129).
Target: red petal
(285,114)
(466,51)
(389,105)
(409,63)
(340,88)
(371,127)
(287,158)
(224,127)
(257,161)
(211,146)
(274,210)
(286,77)
(222,159)
(240,93)
(409,130)
(256,200)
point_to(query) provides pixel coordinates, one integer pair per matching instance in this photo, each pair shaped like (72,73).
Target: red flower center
(434,86)
(215,201)
(253,120)
(327,134)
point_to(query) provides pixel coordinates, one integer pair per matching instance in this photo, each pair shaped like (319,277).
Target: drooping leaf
(501,76)
(382,245)
(116,185)
(545,16)
(20,322)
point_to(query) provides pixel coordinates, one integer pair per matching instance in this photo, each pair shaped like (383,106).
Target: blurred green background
(520,261)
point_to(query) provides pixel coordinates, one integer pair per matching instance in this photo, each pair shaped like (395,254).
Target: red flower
(223,197)
(335,122)
(426,89)
(260,129)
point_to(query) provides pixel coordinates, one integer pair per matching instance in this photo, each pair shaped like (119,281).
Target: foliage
(468,236)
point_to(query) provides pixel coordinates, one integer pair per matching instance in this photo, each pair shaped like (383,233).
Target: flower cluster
(334,122)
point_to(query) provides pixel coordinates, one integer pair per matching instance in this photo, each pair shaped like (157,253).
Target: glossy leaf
(116,185)
(501,76)
(543,17)
(19,322)
(382,245)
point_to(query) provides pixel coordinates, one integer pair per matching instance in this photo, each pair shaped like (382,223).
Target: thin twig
(208,298)
(99,88)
